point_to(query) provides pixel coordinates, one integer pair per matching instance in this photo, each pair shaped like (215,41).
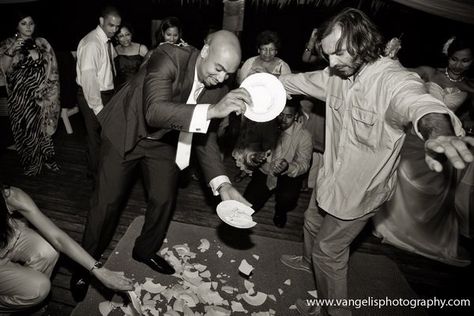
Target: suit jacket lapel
(188,79)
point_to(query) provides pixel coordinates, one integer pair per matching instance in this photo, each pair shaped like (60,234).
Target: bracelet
(97,265)
(9,55)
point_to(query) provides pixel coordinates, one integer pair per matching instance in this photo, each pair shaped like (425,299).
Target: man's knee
(328,254)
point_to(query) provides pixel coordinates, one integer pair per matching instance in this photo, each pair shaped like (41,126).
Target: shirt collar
(196,79)
(101,34)
(289,131)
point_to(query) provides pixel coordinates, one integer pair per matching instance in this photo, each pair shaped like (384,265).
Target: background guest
(130,55)
(314,124)
(421,217)
(95,71)
(280,170)
(170,31)
(310,55)
(30,67)
(268,43)
(27,256)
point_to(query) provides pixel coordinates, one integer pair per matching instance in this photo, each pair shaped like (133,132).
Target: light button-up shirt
(366,119)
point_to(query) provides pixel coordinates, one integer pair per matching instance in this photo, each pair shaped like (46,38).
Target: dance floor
(216,266)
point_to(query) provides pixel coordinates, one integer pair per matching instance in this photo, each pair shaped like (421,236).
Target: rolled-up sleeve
(411,101)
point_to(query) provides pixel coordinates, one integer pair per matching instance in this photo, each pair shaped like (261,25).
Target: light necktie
(183,151)
(111,57)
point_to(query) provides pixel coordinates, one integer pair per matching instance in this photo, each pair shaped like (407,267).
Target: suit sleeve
(158,94)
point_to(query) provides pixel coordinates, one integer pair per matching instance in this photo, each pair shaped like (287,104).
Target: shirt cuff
(199,121)
(456,123)
(216,182)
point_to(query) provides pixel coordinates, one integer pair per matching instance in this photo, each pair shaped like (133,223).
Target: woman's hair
(362,37)
(20,15)
(5,229)
(457,43)
(268,37)
(123,25)
(168,22)
(126,25)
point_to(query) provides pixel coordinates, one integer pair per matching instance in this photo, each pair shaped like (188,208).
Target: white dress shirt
(94,68)
(200,124)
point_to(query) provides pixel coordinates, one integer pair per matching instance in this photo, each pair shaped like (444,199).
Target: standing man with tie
(177,94)
(95,76)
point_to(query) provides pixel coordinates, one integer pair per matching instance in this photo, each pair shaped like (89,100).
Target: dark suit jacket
(153,103)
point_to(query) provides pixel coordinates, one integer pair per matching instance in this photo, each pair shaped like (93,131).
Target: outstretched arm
(439,137)
(20,201)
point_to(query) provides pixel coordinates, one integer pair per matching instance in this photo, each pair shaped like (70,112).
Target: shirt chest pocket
(364,124)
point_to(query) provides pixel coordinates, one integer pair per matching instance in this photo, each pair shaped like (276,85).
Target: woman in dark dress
(130,55)
(31,72)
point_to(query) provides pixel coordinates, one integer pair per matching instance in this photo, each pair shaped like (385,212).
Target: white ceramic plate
(136,304)
(268,97)
(236,214)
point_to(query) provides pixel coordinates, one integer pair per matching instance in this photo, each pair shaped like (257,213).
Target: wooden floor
(64,197)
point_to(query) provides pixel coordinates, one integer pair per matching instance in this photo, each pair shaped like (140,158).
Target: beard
(346,70)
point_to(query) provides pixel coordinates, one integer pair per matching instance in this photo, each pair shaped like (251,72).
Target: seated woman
(268,44)
(27,256)
(130,55)
(421,216)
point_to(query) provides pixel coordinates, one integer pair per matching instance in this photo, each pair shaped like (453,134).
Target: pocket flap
(363,116)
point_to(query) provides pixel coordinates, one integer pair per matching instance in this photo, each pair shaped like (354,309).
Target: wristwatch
(97,265)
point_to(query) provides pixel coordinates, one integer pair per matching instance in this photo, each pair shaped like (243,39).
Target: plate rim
(267,79)
(223,218)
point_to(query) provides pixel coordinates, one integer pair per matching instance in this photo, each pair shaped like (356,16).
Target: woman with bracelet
(31,72)
(27,256)
(309,55)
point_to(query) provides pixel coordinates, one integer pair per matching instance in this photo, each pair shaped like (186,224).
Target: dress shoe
(79,285)
(279,220)
(156,262)
(306,309)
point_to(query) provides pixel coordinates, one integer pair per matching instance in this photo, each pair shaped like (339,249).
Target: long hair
(362,37)
(5,229)
(168,22)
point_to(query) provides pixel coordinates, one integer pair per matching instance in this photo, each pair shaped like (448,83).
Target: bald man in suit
(179,89)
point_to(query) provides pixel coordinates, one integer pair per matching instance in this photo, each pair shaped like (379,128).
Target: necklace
(461,78)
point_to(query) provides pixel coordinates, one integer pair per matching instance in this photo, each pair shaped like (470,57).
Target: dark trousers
(156,160)
(286,192)
(92,128)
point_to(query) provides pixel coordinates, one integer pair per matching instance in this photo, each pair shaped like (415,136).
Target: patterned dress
(33,105)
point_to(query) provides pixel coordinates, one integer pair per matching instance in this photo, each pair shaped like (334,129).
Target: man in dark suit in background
(178,91)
